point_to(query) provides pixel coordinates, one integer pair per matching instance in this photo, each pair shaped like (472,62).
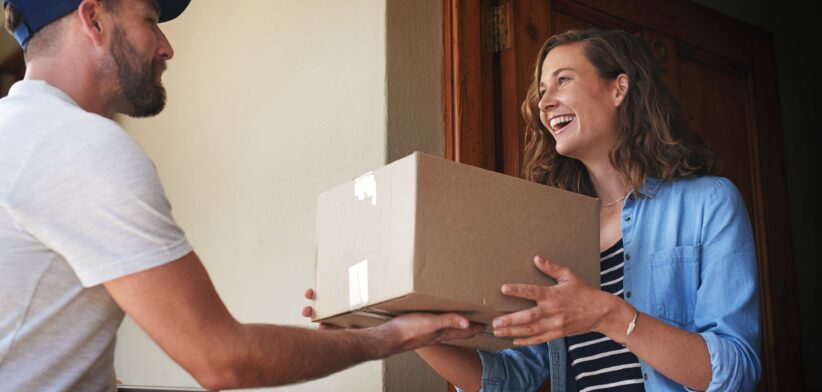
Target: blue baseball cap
(38,13)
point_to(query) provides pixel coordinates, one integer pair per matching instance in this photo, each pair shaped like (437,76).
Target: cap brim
(170,9)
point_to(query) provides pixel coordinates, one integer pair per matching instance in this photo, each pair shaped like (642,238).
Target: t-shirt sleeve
(92,196)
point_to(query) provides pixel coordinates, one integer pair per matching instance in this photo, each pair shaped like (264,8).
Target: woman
(679,304)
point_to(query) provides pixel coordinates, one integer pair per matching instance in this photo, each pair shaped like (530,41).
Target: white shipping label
(365,187)
(358,284)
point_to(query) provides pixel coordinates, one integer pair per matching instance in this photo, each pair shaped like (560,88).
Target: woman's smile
(560,123)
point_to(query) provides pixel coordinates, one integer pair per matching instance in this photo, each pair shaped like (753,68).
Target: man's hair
(652,137)
(43,42)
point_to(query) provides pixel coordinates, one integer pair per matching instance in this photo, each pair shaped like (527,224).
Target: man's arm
(177,305)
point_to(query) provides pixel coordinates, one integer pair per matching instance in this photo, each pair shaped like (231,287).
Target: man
(86,232)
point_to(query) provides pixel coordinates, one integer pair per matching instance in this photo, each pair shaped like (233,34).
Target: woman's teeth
(559,122)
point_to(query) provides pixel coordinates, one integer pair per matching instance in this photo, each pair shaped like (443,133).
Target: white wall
(271,103)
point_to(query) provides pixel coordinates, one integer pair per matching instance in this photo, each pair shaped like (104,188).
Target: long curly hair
(652,138)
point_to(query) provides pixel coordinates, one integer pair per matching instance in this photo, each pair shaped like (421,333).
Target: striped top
(599,363)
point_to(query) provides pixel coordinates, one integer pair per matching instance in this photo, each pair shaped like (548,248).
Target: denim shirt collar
(650,187)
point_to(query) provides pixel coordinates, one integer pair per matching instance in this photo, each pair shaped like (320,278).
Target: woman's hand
(570,307)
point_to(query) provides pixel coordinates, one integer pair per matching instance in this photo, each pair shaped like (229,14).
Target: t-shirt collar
(39,87)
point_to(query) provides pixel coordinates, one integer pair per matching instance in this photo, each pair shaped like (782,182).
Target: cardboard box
(431,235)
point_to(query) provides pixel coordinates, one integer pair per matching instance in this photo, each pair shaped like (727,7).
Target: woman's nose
(546,103)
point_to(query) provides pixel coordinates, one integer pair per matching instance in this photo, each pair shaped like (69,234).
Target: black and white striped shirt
(599,363)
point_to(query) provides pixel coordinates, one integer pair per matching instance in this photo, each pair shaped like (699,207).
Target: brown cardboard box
(427,234)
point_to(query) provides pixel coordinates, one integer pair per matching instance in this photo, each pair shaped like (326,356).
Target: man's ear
(620,89)
(90,15)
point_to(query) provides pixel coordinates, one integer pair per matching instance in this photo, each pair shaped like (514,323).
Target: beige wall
(270,103)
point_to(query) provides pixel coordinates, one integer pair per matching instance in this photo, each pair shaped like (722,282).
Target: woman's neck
(607,181)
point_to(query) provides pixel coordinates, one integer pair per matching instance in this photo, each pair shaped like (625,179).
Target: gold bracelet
(631,325)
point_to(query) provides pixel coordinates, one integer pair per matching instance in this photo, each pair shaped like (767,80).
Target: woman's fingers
(526,316)
(527,291)
(541,338)
(537,327)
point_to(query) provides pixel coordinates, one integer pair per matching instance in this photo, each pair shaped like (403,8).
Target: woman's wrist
(617,319)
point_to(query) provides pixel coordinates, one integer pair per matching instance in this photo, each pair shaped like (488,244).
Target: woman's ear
(620,88)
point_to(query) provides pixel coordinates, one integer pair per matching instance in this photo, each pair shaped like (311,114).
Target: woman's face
(576,105)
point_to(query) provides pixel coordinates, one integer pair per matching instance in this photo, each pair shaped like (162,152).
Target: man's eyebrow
(154,8)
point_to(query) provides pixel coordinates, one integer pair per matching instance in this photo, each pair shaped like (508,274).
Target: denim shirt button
(627,257)
(627,218)
(628,294)
(645,375)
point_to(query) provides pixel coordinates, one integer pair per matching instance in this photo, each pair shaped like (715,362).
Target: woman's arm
(460,366)
(572,307)
(678,354)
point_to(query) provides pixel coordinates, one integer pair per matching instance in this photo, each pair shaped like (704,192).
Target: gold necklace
(614,202)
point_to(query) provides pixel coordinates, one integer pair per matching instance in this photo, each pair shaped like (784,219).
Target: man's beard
(137,79)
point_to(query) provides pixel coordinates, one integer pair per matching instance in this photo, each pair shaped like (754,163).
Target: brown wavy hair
(652,138)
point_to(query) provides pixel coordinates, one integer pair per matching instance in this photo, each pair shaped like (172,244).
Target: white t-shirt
(80,204)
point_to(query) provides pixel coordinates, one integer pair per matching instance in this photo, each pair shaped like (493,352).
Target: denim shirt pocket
(675,281)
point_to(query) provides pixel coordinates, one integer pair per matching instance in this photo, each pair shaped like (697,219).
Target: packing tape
(365,186)
(358,284)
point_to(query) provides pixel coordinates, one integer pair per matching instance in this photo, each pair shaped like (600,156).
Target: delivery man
(86,232)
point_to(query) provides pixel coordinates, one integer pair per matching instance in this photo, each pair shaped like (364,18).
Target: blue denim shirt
(690,262)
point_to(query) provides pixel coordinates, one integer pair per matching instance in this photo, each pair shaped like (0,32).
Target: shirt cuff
(722,365)
(493,371)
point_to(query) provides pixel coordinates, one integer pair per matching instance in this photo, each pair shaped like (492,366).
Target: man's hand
(415,330)
(411,331)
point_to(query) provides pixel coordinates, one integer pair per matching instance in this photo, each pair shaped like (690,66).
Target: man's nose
(164,48)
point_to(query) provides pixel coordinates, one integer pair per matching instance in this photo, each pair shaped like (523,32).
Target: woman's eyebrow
(561,69)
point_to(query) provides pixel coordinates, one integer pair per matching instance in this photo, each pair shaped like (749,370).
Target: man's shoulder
(48,114)
(51,137)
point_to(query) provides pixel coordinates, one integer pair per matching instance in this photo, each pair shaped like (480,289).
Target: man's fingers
(453,320)
(308,311)
(309,294)
(456,334)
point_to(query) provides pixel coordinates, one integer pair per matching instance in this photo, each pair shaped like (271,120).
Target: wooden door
(721,70)
(12,69)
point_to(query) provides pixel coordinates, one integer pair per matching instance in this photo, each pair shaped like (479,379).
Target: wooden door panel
(664,50)
(716,105)
(561,21)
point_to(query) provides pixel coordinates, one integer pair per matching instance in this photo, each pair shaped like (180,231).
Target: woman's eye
(562,79)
